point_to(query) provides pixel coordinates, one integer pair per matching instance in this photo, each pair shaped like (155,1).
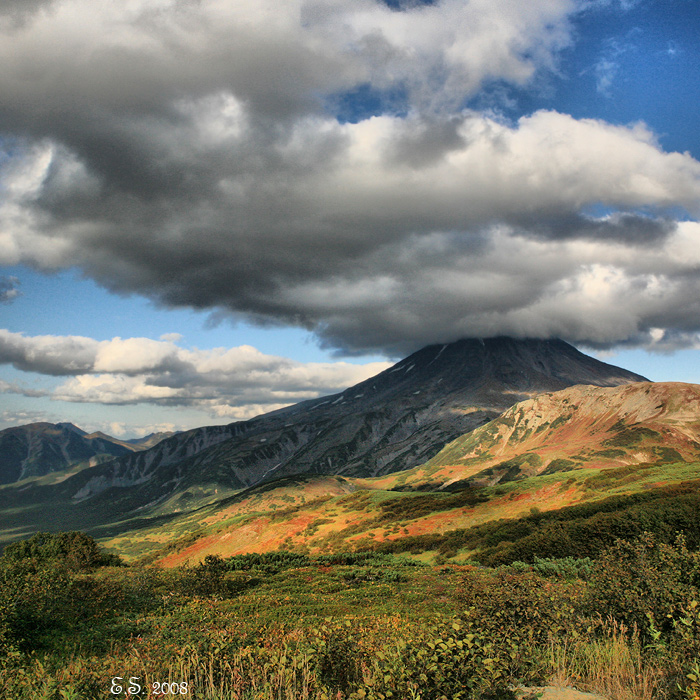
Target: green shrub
(210,578)
(268,562)
(520,605)
(648,584)
(445,659)
(33,599)
(566,568)
(338,658)
(690,686)
(371,574)
(76,550)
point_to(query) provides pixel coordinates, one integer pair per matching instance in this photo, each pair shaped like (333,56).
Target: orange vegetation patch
(245,536)
(551,497)
(262,534)
(439,522)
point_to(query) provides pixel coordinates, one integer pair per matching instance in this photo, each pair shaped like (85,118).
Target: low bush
(445,659)
(76,550)
(568,568)
(34,598)
(210,578)
(520,606)
(650,585)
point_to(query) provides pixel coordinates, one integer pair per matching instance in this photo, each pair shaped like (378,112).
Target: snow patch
(269,471)
(440,351)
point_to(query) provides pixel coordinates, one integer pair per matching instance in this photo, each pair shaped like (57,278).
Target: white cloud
(134,355)
(113,389)
(237,382)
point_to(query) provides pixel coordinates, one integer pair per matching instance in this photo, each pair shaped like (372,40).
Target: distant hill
(38,449)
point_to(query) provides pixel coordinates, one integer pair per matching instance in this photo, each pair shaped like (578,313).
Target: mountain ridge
(38,449)
(599,427)
(390,422)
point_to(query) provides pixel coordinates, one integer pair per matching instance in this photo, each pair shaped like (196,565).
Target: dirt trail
(552,693)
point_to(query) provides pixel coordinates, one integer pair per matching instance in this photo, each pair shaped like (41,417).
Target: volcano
(393,421)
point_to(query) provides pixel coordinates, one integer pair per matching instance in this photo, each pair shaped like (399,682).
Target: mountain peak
(497,372)
(553,357)
(72,428)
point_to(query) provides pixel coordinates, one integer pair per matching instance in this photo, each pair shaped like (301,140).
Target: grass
(613,665)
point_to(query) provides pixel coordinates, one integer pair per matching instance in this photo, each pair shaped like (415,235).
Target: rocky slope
(580,426)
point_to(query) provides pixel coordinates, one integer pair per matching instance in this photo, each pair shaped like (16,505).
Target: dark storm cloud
(18,12)
(181,151)
(625,228)
(9,289)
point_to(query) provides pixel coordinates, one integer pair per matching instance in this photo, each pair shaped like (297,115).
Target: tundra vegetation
(77,624)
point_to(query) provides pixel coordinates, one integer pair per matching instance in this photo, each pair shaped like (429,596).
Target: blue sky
(212,210)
